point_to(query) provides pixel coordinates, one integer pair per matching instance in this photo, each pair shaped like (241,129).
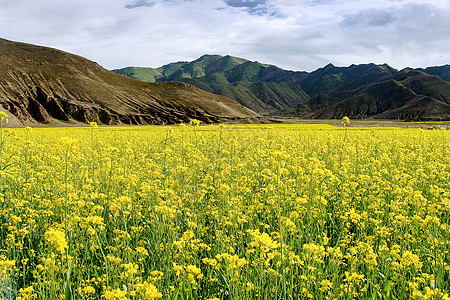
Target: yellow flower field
(224,212)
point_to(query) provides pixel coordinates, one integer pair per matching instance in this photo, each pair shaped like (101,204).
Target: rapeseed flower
(3,117)
(241,212)
(57,239)
(88,290)
(149,291)
(115,294)
(345,121)
(194,122)
(325,285)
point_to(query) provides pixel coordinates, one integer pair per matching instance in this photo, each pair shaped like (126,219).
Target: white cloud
(294,34)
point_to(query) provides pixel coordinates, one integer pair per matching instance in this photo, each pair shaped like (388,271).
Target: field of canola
(224,212)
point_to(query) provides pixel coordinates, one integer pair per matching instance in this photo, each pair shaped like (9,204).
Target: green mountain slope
(354,76)
(244,84)
(143,74)
(406,95)
(330,92)
(262,88)
(39,84)
(266,89)
(205,65)
(265,96)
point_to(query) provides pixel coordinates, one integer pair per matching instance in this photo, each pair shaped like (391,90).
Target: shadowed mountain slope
(407,95)
(442,71)
(39,84)
(344,78)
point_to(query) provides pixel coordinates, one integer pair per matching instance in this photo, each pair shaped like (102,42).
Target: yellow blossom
(116,294)
(57,239)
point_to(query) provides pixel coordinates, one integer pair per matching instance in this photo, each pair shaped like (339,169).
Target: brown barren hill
(44,85)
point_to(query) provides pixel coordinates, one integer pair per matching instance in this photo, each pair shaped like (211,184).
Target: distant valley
(357,91)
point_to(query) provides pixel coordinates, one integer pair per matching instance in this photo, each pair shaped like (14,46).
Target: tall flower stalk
(69,146)
(345,122)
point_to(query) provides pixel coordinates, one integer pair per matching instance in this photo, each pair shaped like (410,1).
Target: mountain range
(366,90)
(45,85)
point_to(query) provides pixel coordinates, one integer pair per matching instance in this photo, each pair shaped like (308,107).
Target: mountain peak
(208,57)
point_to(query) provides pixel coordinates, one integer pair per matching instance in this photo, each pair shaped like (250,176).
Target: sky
(300,35)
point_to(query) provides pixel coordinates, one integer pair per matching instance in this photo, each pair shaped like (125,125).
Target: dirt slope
(44,85)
